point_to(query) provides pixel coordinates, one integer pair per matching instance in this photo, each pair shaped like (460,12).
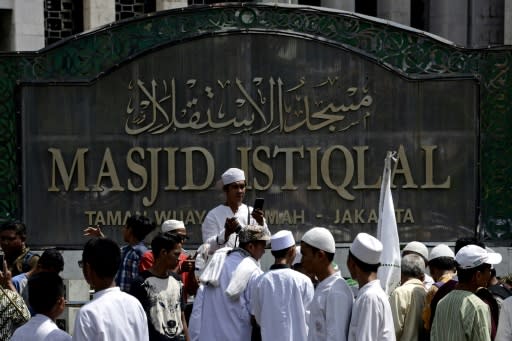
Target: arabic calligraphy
(255,108)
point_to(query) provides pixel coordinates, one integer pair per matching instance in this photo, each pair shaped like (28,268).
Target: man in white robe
(221,223)
(222,310)
(281,296)
(371,314)
(112,314)
(332,303)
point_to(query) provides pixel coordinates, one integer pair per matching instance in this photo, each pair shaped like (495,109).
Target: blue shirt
(129,269)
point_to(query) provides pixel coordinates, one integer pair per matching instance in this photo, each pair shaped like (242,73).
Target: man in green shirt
(461,315)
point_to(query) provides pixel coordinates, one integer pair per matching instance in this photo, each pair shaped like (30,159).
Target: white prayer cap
(418,248)
(366,248)
(282,240)
(471,256)
(171,225)
(232,175)
(321,238)
(441,250)
(298,255)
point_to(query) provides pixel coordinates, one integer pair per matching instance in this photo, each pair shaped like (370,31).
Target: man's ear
(292,252)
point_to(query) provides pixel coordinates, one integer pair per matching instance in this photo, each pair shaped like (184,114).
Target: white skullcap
(471,256)
(366,248)
(171,225)
(441,250)
(418,248)
(321,238)
(281,240)
(232,175)
(298,255)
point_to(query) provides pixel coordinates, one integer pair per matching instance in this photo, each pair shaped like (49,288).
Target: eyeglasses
(80,264)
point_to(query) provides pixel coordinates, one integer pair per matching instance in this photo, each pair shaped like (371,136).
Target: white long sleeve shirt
(330,310)
(111,315)
(371,315)
(280,303)
(213,225)
(221,317)
(504,332)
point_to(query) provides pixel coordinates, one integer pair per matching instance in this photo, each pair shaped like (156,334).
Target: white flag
(387,233)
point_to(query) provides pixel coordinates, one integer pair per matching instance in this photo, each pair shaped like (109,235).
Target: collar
(244,252)
(279,266)
(100,293)
(413,281)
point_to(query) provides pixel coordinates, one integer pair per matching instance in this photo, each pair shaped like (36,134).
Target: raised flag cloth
(387,232)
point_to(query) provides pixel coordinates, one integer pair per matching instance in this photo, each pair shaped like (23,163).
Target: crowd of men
(142,293)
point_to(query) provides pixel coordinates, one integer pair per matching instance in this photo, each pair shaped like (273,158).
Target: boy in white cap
(332,303)
(421,250)
(282,296)
(461,315)
(371,314)
(222,310)
(441,262)
(221,223)
(185,266)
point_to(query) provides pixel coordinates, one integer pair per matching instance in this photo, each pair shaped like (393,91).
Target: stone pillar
(98,13)
(398,11)
(449,19)
(508,22)
(345,5)
(28,25)
(162,5)
(487,24)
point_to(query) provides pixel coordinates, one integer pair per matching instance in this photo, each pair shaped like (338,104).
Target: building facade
(30,25)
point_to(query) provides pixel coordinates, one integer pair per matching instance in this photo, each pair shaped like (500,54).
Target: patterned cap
(252,233)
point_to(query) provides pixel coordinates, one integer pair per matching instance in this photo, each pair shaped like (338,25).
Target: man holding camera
(221,222)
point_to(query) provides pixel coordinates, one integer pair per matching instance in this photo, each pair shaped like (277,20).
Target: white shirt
(330,310)
(371,315)
(428,281)
(222,318)
(112,315)
(40,328)
(504,332)
(280,301)
(213,225)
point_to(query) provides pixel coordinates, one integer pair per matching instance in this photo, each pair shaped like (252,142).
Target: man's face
(483,277)
(173,256)
(181,233)
(235,192)
(308,257)
(257,249)
(11,243)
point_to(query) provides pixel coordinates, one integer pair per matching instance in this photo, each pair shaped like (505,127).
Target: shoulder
(217,210)
(58,335)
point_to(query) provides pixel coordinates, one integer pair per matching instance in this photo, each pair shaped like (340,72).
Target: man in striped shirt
(461,315)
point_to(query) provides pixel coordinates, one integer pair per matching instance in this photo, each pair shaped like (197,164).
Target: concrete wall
(98,13)
(395,10)
(27,25)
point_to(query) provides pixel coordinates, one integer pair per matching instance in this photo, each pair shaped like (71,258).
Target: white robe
(111,315)
(280,303)
(216,316)
(213,226)
(40,328)
(371,315)
(330,310)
